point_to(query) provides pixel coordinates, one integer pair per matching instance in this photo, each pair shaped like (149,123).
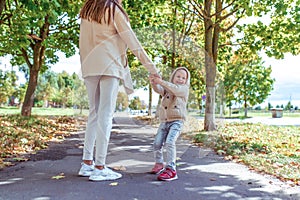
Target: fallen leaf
(20,159)
(114,184)
(119,168)
(60,176)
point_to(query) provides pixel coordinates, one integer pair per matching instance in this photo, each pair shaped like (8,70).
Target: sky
(287,80)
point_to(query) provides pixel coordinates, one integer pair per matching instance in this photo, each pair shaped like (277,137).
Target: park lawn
(22,135)
(266,114)
(267,149)
(44,111)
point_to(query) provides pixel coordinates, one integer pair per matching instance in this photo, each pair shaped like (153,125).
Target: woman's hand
(155,79)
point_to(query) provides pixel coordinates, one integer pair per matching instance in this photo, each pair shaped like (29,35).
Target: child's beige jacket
(174,98)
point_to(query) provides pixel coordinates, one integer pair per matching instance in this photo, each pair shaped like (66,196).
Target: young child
(172,113)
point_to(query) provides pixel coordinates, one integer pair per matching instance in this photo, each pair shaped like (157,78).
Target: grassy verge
(44,111)
(21,135)
(240,115)
(267,149)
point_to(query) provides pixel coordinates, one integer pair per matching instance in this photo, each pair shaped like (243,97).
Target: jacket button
(166,107)
(168,97)
(175,106)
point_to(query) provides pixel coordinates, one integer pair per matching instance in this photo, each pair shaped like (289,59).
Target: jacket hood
(181,68)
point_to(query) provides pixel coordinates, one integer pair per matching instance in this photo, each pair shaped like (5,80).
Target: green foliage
(61,89)
(8,86)
(34,33)
(246,80)
(135,104)
(169,34)
(122,101)
(279,33)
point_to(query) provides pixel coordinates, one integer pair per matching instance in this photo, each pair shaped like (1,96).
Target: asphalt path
(52,173)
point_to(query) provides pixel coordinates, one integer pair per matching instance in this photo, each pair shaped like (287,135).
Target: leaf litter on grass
(264,148)
(21,135)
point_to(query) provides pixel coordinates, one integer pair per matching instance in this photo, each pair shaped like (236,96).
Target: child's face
(180,77)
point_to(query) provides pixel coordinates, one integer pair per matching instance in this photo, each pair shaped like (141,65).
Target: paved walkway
(203,175)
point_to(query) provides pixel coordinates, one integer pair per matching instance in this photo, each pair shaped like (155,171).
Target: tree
(80,95)
(146,20)
(46,88)
(288,106)
(221,16)
(135,103)
(171,41)
(122,101)
(8,86)
(35,32)
(246,80)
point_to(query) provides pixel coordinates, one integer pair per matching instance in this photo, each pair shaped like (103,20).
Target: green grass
(268,149)
(250,114)
(44,111)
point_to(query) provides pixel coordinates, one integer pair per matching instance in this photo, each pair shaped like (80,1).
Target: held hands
(155,79)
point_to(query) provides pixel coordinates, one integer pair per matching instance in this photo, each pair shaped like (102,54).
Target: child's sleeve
(158,89)
(176,90)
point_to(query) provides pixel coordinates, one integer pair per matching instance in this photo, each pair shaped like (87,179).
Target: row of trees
(56,90)
(53,90)
(199,34)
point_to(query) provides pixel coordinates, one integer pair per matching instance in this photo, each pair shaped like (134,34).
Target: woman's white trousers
(102,94)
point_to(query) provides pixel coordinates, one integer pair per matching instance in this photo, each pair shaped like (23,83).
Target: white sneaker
(86,170)
(105,174)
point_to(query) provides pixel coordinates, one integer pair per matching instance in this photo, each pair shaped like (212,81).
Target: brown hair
(94,10)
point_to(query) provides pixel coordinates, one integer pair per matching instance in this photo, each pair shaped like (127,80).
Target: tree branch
(25,56)
(233,24)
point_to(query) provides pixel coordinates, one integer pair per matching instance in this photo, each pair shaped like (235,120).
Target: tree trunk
(174,36)
(212,31)
(2,6)
(209,119)
(150,101)
(246,109)
(38,60)
(29,96)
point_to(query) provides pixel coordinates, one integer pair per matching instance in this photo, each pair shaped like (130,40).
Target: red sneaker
(168,175)
(158,168)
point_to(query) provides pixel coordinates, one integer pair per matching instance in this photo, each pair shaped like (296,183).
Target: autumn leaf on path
(20,159)
(60,176)
(114,184)
(119,168)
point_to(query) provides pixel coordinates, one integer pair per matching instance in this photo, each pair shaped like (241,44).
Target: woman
(105,34)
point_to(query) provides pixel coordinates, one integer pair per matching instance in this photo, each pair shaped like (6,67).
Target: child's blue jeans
(166,136)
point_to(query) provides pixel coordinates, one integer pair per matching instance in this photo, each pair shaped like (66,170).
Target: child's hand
(155,79)
(151,78)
